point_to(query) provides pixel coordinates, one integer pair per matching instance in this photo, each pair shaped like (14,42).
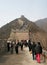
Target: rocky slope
(42,23)
(36,34)
(19,23)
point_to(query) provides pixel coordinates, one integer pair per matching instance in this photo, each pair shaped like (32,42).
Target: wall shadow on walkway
(3,59)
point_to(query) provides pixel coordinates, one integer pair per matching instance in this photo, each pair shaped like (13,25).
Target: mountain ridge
(22,23)
(19,23)
(42,23)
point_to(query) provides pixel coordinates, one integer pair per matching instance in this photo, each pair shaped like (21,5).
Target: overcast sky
(31,9)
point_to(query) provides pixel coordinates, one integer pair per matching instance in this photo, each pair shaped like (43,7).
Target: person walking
(33,50)
(8,46)
(11,48)
(38,50)
(21,45)
(16,47)
(30,46)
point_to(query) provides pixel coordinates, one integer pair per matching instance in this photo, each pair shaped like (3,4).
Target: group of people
(14,45)
(36,49)
(11,46)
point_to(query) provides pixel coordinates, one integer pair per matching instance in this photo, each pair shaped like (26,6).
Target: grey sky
(31,9)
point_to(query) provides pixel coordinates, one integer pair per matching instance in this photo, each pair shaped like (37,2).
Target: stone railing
(44,54)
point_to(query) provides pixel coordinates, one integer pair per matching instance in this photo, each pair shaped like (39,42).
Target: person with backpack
(38,50)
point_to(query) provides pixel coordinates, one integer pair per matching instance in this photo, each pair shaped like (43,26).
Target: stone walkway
(23,58)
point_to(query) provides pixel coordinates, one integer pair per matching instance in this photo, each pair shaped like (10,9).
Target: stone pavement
(23,58)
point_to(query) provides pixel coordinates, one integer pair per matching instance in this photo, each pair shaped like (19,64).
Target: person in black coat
(16,47)
(33,50)
(12,48)
(21,45)
(8,46)
(38,50)
(29,45)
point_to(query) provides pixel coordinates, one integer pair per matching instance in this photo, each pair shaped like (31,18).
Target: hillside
(42,23)
(19,23)
(22,23)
